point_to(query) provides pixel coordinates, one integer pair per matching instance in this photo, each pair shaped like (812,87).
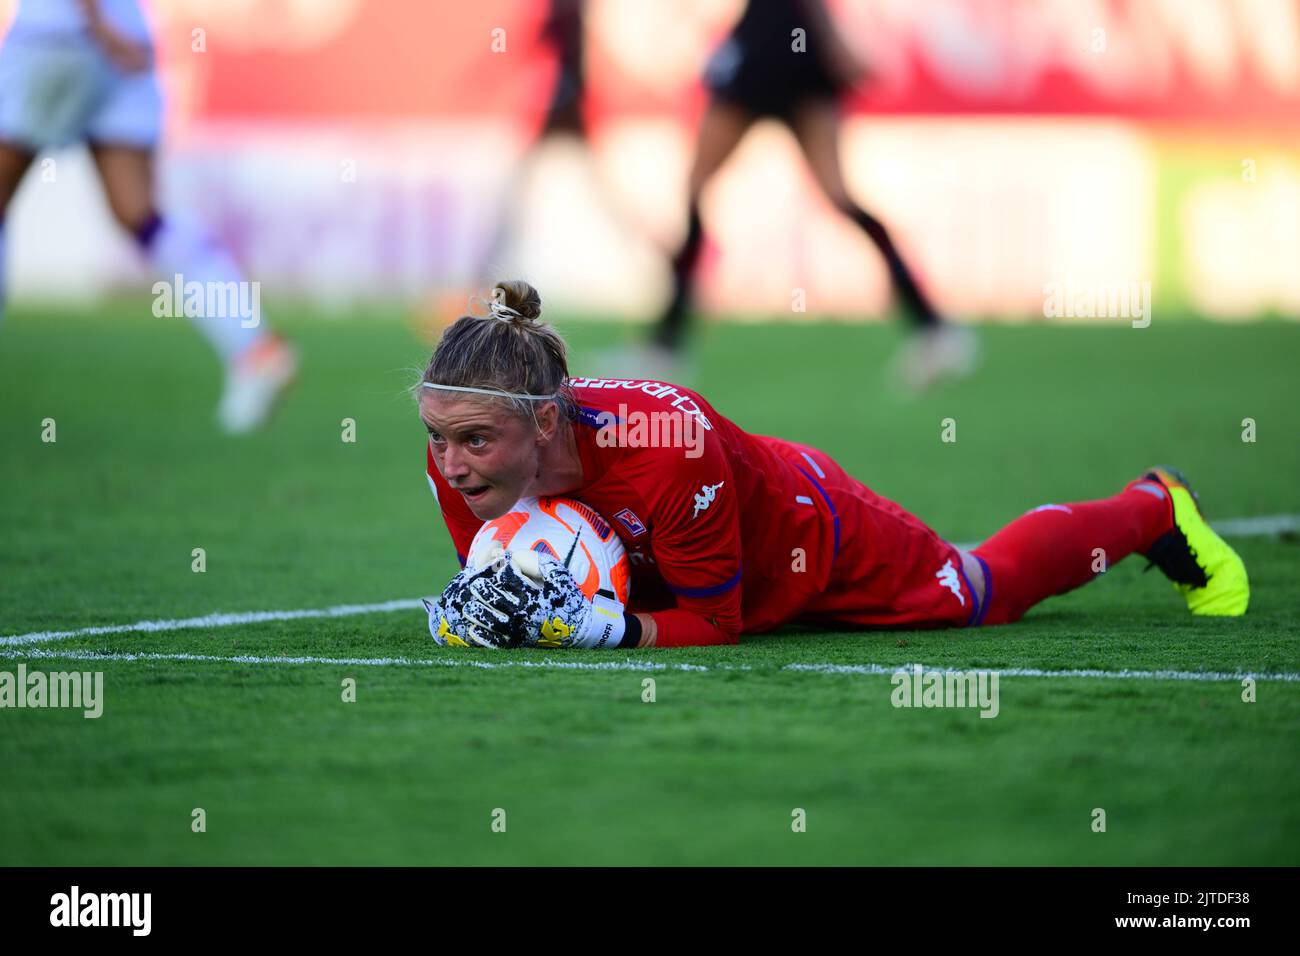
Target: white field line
(1257,527)
(1235,527)
(213,620)
(1262,526)
(461,659)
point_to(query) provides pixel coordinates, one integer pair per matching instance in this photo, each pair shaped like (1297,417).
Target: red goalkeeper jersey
(729,532)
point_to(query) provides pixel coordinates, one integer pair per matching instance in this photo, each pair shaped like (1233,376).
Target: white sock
(182,248)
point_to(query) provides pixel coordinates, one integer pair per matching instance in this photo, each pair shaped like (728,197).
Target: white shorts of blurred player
(61,90)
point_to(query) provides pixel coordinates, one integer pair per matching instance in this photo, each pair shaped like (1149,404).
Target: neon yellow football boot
(1205,570)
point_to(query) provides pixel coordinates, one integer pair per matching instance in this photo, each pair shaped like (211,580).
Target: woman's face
(486,453)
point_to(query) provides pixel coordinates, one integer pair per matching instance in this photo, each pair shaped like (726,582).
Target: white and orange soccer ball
(565,529)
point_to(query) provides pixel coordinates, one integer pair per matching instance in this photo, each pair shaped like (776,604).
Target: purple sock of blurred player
(179,247)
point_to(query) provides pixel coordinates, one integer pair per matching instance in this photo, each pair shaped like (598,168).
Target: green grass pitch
(98,528)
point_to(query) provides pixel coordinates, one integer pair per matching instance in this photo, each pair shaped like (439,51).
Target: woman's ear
(548,422)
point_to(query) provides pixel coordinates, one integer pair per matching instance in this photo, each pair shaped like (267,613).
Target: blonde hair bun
(520,297)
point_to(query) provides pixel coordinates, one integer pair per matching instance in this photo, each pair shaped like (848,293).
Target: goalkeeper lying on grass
(714,536)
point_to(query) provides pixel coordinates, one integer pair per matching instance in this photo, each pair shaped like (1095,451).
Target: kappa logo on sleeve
(708,494)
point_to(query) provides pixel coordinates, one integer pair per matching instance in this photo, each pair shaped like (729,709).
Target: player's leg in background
(173,245)
(14,161)
(564,121)
(564,127)
(937,349)
(257,363)
(722,128)
(817,128)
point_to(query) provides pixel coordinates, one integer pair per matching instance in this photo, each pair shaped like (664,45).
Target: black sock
(671,327)
(919,310)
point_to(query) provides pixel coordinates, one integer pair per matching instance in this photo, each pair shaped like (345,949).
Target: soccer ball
(565,529)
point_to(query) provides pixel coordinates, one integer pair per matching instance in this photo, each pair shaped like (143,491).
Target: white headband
(489,391)
(502,311)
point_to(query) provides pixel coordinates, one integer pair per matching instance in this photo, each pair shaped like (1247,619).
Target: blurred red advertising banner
(1174,59)
(1215,60)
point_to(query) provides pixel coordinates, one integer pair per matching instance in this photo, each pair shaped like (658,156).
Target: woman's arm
(682,628)
(649,629)
(129,55)
(696,544)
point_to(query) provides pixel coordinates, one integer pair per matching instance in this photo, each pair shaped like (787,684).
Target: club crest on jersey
(708,494)
(947,576)
(630,521)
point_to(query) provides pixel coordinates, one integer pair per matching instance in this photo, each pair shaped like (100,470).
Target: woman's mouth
(474,492)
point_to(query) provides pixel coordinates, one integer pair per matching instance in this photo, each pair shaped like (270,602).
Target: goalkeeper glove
(532,599)
(447,621)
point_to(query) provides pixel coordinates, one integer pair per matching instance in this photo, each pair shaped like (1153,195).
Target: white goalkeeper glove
(447,621)
(532,599)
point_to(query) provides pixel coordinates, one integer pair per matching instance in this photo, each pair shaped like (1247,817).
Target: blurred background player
(74,71)
(784,60)
(562,35)
(562,32)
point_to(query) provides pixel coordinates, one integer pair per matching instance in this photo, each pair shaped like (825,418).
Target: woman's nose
(453,465)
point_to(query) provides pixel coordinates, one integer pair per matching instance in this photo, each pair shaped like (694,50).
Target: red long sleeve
(680,628)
